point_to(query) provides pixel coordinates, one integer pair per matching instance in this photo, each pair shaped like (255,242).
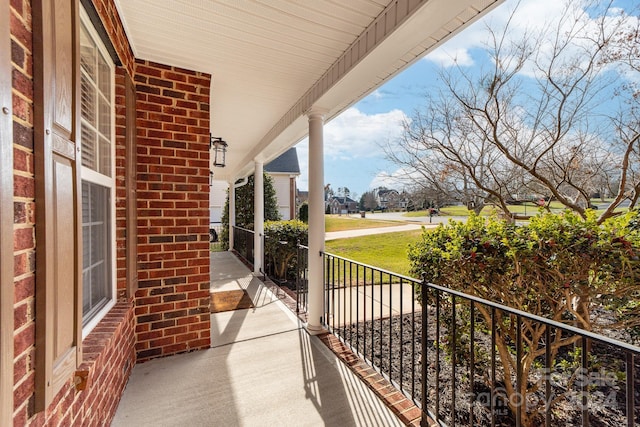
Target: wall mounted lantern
(219,150)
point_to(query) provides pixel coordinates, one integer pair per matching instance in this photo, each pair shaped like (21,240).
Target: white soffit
(272,59)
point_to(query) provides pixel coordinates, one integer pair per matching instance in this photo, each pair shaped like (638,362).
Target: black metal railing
(469,361)
(367,307)
(277,259)
(302,278)
(286,264)
(243,243)
(215,233)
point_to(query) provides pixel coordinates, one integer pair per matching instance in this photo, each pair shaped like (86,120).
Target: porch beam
(258,216)
(232,211)
(316,221)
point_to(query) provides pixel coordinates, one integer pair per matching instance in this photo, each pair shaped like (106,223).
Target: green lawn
(530,208)
(341,223)
(387,251)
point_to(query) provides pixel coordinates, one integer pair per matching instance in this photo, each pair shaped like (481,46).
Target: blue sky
(353,157)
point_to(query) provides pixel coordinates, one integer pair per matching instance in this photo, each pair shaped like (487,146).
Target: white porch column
(316,222)
(258,216)
(232,211)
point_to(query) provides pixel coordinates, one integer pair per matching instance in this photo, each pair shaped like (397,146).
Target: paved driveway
(410,223)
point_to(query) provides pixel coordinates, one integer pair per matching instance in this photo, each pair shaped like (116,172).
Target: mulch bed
(371,339)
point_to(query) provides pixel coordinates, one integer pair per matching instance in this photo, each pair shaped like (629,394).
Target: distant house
(342,205)
(387,198)
(284,170)
(217,199)
(303,196)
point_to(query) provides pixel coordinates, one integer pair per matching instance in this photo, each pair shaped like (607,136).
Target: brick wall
(109,349)
(24,209)
(121,191)
(172,307)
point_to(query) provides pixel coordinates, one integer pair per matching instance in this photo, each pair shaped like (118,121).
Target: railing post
(258,217)
(232,214)
(263,268)
(424,420)
(298,281)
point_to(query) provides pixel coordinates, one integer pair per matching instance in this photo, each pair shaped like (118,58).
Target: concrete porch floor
(263,370)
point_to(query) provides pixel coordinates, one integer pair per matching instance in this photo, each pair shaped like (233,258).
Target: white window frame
(108,182)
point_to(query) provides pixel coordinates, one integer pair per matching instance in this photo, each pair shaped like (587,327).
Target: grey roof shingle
(287,162)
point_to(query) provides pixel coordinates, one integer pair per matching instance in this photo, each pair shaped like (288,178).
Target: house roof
(273,61)
(385,191)
(344,200)
(287,162)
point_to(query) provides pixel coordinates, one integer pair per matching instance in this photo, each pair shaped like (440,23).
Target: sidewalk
(333,235)
(263,370)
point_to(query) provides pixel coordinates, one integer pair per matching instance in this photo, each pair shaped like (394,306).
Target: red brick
(24,339)
(23,186)
(191,105)
(23,289)
(185,87)
(199,80)
(23,263)
(22,84)
(23,239)
(21,33)
(160,100)
(23,136)
(23,390)
(21,108)
(174,76)
(167,83)
(17,5)
(147,70)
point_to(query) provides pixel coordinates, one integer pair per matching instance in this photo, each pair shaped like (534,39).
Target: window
(97,173)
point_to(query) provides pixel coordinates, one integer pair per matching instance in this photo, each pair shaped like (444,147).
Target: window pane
(105,157)
(97,82)
(96,238)
(87,53)
(95,107)
(104,79)
(105,118)
(87,101)
(89,154)
(86,291)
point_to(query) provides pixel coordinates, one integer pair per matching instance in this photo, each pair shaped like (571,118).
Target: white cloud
(451,57)
(384,179)
(377,94)
(531,17)
(354,134)
(398,179)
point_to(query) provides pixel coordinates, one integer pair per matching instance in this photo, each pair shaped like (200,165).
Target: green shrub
(244,207)
(559,266)
(280,245)
(303,213)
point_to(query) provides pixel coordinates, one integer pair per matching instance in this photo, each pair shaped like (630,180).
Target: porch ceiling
(271,60)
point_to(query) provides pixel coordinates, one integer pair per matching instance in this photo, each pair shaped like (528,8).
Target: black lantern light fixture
(219,150)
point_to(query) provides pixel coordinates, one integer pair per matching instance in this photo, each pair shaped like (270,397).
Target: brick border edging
(408,413)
